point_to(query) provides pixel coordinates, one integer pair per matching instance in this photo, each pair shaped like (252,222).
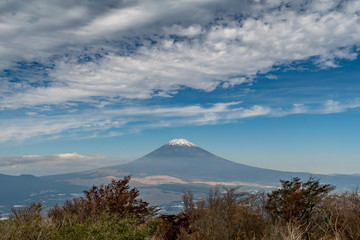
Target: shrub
(297,203)
(26,223)
(28,214)
(174,225)
(115,198)
(340,215)
(231,214)
(296,200)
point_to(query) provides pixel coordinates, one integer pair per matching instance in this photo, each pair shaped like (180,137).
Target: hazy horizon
(271,84)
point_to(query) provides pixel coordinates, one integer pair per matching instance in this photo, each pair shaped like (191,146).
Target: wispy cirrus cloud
(25,127)
(112,122)
(109,122)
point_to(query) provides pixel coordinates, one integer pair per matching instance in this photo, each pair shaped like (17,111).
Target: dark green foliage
(109,227)
(104,227)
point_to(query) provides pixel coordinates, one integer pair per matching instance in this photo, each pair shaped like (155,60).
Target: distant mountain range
(173,167)
(17,191)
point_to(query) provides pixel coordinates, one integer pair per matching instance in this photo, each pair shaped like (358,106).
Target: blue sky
(270,83)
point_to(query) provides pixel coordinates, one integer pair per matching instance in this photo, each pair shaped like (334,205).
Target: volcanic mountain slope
(182,160)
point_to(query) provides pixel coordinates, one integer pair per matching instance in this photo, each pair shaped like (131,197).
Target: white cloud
(324,5)
(299,108)
(19,129)
(53,164)
(178,30)
(118,19)
(155,49)
(217,52)
(333,106)
(271,76)
(50,159)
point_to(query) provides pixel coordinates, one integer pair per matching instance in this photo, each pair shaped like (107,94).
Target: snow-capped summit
(181,142)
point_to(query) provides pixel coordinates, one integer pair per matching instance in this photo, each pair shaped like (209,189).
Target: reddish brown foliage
(115,198)
(176,224)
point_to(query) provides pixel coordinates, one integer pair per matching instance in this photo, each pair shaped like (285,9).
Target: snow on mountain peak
(181,142)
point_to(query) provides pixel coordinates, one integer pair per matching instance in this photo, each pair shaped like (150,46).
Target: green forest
(296,210)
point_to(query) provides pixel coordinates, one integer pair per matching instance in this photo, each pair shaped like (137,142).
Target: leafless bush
(340,216)
(230,214)
(26,223)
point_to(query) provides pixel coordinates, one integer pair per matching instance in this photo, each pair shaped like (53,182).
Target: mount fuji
(184,160)
(180,161)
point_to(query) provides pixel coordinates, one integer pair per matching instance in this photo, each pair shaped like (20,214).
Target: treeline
(296,210)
